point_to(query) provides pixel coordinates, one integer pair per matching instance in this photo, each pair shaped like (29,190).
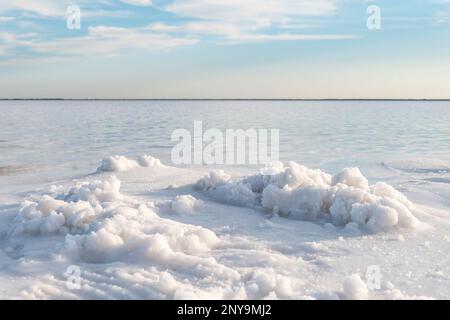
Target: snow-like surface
(215,236)
(137,228)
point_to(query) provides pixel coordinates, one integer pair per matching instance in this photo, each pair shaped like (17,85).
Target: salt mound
(139,234)
(186,204)
(148,161)
(354,288)
(72,211)
(302,193)
(122,163)
(101,225)
(219,186)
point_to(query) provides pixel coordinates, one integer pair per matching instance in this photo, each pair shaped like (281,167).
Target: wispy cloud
(138,2)
(58,8)
(100,41)
(250,20)
(47,8)
(2,51)
(111,41)
(9,41)
(190,22)
(237,34)
(233,17)
(198,28)
(6,19)
(292,37)
(251,11)
(441,17)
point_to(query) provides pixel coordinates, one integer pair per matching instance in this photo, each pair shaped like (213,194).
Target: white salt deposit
(354,288)
(100,225)
(122,163)
(130,241)
(72,211)
(302,193)
(186,204)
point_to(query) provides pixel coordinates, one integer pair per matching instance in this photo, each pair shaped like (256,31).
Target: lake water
(47,141)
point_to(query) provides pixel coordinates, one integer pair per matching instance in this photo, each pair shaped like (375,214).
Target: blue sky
(225,49)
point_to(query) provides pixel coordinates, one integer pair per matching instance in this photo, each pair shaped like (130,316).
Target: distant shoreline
(236,99)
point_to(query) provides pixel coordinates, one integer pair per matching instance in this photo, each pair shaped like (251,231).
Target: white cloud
(106,13)
(234,34)
(48,8)
(441,17)
(292,37)
(251,11)
(244,21)
(138,2)
(229,21)
(197,28)
(100,40)
(6,19)
(225,10)
(57,8)
(10,41)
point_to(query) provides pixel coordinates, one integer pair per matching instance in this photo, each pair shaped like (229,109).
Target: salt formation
(310,194)
(354,288)
(122,163)
(186,204)
(101,225)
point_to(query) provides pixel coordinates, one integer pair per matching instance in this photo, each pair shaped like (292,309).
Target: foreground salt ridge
(101,226)
(122,163)
(345,199)
(354,288)
(98,225)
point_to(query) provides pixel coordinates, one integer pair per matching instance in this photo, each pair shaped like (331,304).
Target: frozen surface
(355,191)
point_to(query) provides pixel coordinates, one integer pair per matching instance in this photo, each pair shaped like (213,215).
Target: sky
(280,49)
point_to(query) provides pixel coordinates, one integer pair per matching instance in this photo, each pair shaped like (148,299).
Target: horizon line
(223,99)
